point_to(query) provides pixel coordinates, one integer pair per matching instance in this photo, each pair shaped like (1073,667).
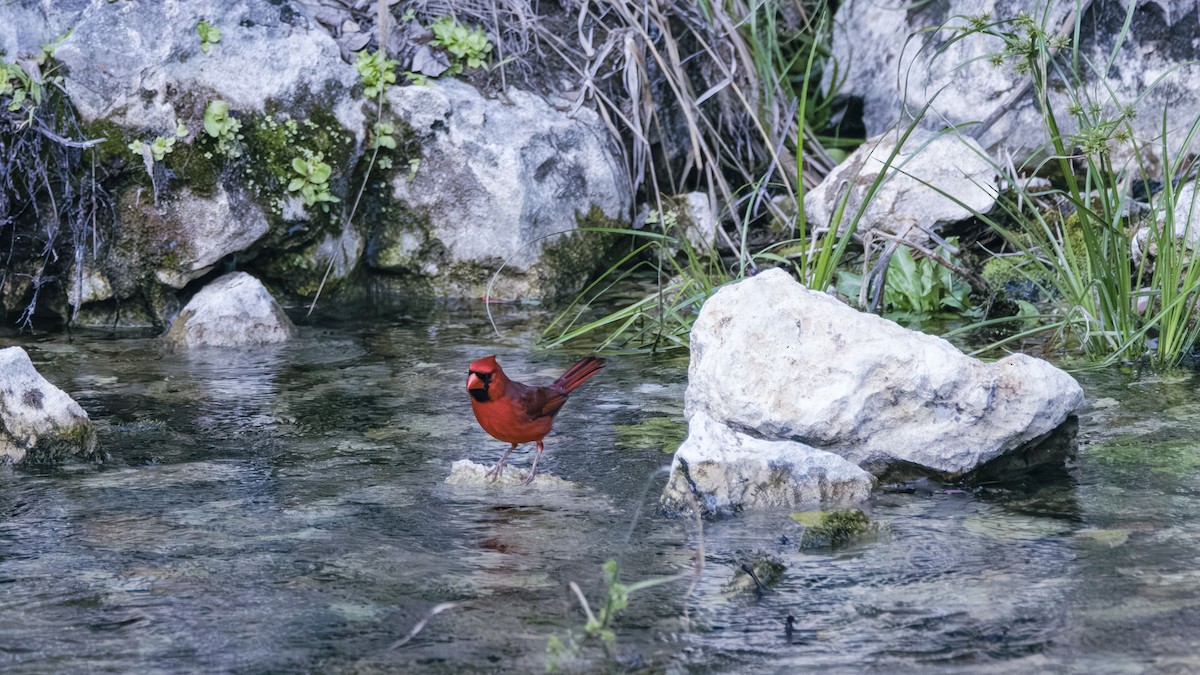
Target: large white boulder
(775,361)
(37,418)
(235,310)
(497,180)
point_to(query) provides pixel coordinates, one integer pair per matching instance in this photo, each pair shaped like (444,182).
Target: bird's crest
(486,364)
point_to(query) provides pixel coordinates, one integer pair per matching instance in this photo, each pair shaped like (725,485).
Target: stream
(284,510)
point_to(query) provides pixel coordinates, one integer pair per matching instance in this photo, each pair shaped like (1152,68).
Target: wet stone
(466,472)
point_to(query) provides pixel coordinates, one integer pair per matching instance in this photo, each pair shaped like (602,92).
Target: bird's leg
(533,471)
(499,468)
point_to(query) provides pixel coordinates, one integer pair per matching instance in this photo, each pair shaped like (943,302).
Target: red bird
(518,413)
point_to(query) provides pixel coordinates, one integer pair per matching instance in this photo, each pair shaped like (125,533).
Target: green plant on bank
(917,288)
(383,137)
(1101,299)
(209,34)
(376,71)
(467,48)
(683,278)
(312,180)
(219,124)
(53,210)
(161,146)
(24,91)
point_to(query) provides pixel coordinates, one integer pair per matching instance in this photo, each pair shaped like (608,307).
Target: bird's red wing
(537,401)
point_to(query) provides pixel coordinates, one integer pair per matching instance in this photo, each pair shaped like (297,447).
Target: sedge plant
(1076,237)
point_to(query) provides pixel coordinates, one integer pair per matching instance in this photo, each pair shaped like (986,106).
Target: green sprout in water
(377,72)
(468,48)
(312,180)
(209,34)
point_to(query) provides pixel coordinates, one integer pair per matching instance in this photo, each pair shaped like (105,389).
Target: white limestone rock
(37,419)
(235,310)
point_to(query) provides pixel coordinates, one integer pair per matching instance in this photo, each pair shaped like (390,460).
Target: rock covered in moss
(180,237)
(495,180)
(831,529)
(756,572)
(37,419)
(235,310)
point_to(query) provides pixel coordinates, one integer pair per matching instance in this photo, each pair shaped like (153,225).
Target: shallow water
(284,510)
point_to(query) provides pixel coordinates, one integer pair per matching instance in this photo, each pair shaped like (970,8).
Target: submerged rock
(38,421)
(496,180)
(233,311)
(758,572)
(831,529)
(910,200)
(466,472)
(775,363)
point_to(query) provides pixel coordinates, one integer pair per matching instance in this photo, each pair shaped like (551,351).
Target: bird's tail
(578,374)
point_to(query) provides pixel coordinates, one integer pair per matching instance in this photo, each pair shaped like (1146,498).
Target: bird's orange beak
(473,382)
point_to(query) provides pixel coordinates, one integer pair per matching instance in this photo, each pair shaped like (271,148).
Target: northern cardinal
(518,413)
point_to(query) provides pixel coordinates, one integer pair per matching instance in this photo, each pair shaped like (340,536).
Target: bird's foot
(494,474)
(530,477)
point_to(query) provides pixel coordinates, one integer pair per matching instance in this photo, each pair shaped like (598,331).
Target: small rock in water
(758,572)
(831,529)
(233,311)
(36,417)
(466,472)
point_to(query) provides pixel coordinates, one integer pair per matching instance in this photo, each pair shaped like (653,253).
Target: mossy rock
(831,529)
(767,568)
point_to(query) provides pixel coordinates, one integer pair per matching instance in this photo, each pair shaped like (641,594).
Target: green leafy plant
(376,71)
(219,124)
(23,92)
(311,179)
(382,137)
(468,48)
(562,651)
(159,148)
(209,34)
(917,288)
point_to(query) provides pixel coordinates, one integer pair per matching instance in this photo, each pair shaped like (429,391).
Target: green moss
(1180,458)
(114,149)
(78,440)
(568,261)
(273,140)
(660,432)
(831,529)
